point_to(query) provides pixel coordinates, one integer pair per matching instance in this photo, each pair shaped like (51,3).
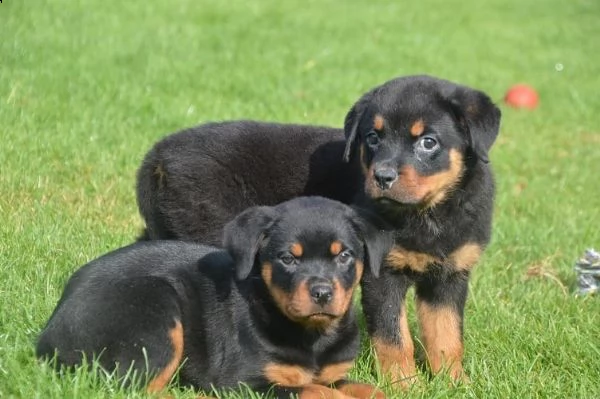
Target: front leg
(441,297)
(383,305)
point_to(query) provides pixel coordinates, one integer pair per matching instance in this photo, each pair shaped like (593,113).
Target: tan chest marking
(463,258)
(400,258)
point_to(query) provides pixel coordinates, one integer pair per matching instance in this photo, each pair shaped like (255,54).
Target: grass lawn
(86,87)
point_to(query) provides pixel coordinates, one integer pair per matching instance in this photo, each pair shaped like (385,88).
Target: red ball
(522,96)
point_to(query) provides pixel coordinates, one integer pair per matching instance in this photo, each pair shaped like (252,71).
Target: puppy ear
(243,235)
(352,122)
(350,128)
(377,239)
(479,117)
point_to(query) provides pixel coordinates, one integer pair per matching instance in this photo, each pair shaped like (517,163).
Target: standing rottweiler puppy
(273,311)
(417,151)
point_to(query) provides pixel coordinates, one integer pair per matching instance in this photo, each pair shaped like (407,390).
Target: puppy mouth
(397,202)
(394,196)
(320,321)
(322,316)
(317,318)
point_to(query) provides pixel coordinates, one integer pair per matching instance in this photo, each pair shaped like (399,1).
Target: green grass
(86,87)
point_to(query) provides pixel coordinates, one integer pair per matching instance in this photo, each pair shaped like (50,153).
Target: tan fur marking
(335,248)
(431,190)
(362,391)
(342,299)
(417,128)
(400,258)
(408,347)
(287,375)
(397,361)
(159,382)
(314,391)
(378,122)
(280,298)
(267,273)
(298,305)
(332,373)
(467,256)
(296,249)
(440,332)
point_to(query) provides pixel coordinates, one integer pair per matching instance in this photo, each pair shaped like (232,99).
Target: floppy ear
(378,240)
(479,117)
(243,235)
(350,128)
(352,121)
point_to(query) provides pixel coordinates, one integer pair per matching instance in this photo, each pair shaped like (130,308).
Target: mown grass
(87,86)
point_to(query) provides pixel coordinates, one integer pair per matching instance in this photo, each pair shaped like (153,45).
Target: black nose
(321,293)
(385,177)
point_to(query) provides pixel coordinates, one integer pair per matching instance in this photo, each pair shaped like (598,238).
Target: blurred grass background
(86,87)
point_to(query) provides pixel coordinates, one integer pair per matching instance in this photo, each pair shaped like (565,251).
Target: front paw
(362,391)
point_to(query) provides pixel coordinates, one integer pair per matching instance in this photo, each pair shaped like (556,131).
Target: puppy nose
(385,177)
(321,293)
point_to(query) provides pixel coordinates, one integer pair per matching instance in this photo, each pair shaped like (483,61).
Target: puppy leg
(160,381)
(385,313)
(440,304)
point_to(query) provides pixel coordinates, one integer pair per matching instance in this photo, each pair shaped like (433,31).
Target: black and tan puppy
(423,146)
(273,311)
(193,182)
(417,148)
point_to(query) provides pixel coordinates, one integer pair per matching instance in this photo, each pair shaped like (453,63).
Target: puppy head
(415,136)
(310,252)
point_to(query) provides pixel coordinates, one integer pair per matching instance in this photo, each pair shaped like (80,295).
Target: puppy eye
(428,143)
(344,257)
(287,259)
(372,139)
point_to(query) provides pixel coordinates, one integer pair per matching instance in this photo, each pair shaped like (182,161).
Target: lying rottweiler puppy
(417,152)
(272,311)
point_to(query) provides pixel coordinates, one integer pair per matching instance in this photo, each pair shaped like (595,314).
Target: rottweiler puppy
(423,145)
(416,150)
(272,311)
(193,182)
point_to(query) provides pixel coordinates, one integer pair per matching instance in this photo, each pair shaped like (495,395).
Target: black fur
(437,239)
(439,231)
(124,305)
(193,182)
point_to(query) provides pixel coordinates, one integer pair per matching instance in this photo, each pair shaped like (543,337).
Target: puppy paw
(362,391)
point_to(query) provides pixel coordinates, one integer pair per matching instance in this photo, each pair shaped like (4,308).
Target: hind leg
(148,335)
(132,327)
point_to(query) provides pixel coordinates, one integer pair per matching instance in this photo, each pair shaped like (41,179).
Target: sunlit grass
(86,87)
